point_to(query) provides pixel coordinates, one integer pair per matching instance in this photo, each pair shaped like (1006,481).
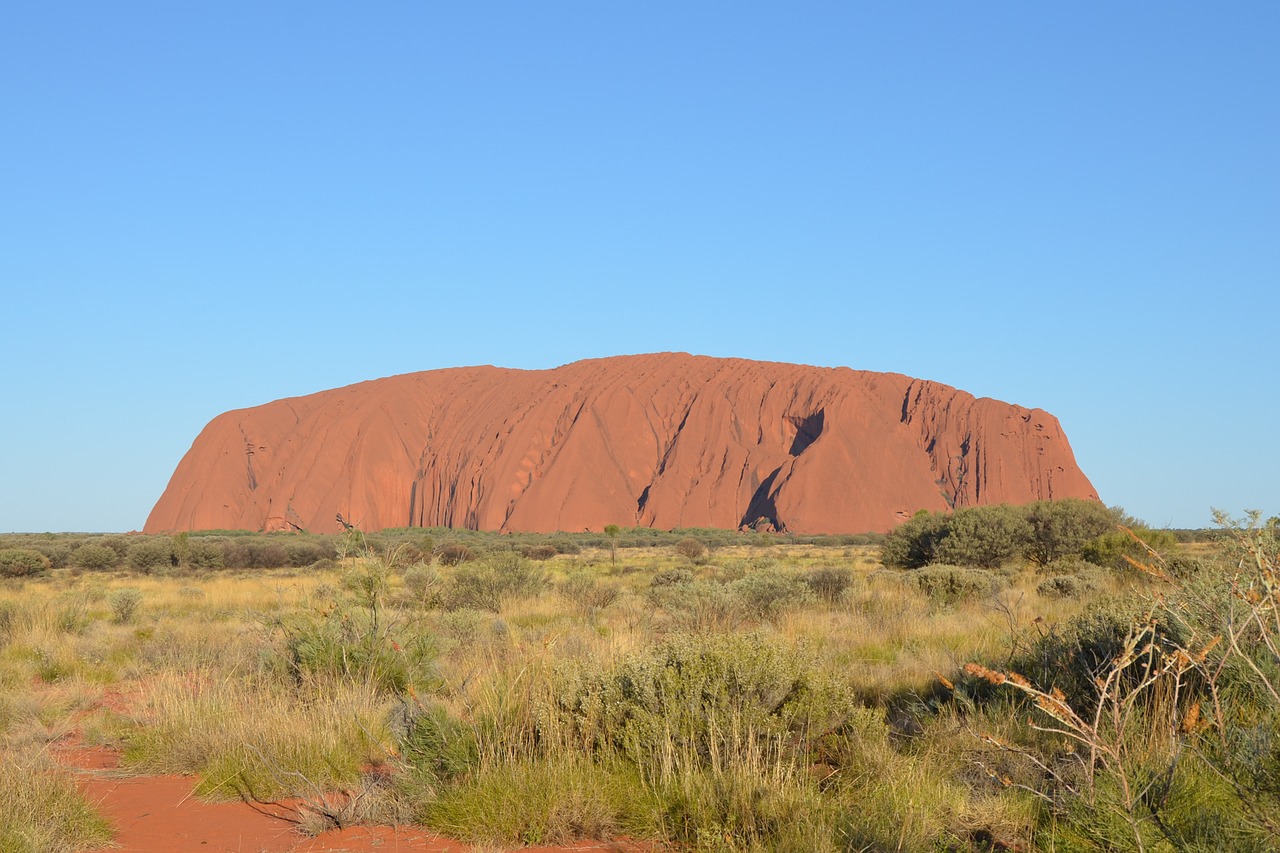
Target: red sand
(665,441)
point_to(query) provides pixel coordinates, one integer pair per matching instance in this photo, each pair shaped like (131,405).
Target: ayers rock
(667,440)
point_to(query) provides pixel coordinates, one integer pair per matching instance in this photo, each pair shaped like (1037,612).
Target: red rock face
(666,440)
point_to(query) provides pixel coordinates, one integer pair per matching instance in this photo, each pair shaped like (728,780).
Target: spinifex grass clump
(43,811)
(355,639)
(256,737)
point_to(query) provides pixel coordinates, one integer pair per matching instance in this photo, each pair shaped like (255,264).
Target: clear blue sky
(1074,206)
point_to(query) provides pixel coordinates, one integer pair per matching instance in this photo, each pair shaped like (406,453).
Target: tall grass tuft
(43,811)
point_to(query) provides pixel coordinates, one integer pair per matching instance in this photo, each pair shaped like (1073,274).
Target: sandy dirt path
(161,814)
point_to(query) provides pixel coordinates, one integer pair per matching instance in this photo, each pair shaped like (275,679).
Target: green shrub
(454,554)
(1063,527)
(124,603)
(766,595)
(204,555)
(698,606)
(586,593)
(914,543)
(539,552)
(670,577)
(423,584)
(493,583)
(564,545)
(698,695)
(352,644)
(1072,657)
(21,562)
(151,553)
(1114,550)
(950,584)
(691,549)
(1184,566)
(1066,586)
(985,536)
(94,557)
(830,583)
(58,552)
(301,554)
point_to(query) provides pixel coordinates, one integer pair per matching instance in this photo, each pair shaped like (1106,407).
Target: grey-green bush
(1063,527)
(124,604)
(983,536)
(949,584)
(913,543)
(492,583)
(94,557)
(830,583)
(766,594)
(150,554)
(691,549)
(21,562)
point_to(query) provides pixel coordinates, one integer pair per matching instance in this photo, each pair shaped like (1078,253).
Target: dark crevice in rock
(808,430)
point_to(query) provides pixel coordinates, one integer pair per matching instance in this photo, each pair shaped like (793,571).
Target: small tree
(612,531)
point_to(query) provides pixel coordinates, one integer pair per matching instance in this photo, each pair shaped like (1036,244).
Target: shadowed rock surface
(665,440)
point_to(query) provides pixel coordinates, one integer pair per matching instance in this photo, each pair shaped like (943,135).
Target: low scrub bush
(691,699)
(830,583)
(352,640)
(766,595)
(672,577)
(58,552)
(564,545)
(454,554)
(951,584)
(692,549)
(1073,657)
(985,537)
(1114,550)
(914,543)
(94,557)
(1063,527)
(1066,586)
(21,562)
(151,553)
(493,583)
(539,552)
(203,555)
(422,584)
(437,747)
(124,604)
(587,594)
(697,606)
